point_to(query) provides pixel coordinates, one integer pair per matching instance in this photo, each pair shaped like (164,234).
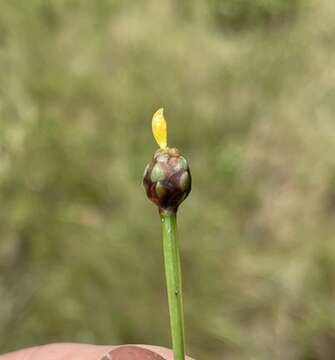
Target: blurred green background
(248,88)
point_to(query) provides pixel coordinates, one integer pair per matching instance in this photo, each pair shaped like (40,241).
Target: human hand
(72,351)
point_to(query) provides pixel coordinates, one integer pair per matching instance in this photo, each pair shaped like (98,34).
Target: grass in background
(249,98)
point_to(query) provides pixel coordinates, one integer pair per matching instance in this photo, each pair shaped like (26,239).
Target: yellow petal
(159,128)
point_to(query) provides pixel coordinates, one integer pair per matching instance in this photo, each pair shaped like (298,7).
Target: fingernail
(131,353)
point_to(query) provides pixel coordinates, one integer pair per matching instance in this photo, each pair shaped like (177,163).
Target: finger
(65,351)
(91,352)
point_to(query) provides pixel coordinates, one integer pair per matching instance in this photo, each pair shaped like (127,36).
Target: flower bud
(167,179)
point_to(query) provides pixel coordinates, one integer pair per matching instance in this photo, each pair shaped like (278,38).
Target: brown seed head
(167,179)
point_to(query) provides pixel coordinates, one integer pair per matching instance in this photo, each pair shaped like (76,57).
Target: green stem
(173,281)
